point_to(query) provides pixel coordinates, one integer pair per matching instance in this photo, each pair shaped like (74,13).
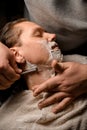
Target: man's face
(34,42)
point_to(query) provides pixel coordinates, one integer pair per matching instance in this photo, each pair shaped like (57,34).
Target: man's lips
(53,45)
(55,52)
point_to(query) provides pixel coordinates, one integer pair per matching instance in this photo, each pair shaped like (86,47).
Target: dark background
(10,10)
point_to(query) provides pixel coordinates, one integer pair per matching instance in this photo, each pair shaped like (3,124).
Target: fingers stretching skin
(62,105)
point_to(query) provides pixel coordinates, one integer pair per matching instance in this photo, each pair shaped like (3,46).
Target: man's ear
(18,57)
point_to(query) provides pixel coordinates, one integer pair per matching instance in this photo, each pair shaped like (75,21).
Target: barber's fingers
(9,73)
(4,83)
(5,86)
(7,77)
(52,99)
(53,82)
(59,66)
(62,105)
(46,86)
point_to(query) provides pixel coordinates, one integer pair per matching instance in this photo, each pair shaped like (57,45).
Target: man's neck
(38,77)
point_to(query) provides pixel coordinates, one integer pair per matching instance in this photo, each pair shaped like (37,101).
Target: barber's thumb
(59,67)
(15,67)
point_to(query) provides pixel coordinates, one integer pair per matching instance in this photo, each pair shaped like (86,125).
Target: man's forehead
(28,24)
(35,26)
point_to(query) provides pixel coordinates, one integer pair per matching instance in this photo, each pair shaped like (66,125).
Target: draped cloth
(21,112)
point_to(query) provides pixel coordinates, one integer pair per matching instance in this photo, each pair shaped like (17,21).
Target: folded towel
(21,112)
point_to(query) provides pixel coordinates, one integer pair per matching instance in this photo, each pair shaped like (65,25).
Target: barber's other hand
(9,72)
(70,83)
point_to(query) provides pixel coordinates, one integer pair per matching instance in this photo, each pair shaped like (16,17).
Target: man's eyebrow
(38,29)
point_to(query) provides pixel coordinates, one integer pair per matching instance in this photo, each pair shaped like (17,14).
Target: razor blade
(29,68)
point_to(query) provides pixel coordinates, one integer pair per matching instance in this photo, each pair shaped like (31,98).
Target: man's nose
(49,36)
(52,37)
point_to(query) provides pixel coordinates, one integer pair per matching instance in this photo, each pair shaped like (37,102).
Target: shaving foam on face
(53,54)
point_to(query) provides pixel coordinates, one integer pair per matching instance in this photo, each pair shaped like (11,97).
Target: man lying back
(35,50)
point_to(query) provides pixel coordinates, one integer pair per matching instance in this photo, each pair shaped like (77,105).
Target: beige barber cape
(21,112)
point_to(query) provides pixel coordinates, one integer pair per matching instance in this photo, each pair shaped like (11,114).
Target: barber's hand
(9,71)
(70,83)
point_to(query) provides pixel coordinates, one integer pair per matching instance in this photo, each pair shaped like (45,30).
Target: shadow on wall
(10,10)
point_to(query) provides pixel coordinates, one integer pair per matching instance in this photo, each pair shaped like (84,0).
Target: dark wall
(10,10)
